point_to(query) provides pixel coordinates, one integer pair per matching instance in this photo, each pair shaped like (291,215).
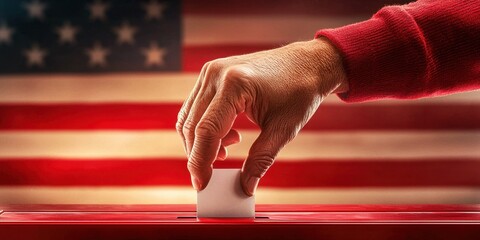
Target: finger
(197,110)
(232,137)
(200,104)
(187,104)
(222,153)
(262,155)
(214,125)
(183,113)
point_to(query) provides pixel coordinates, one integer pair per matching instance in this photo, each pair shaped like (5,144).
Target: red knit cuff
(371,55)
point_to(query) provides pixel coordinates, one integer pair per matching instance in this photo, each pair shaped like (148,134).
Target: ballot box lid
(258,207)
(272,221)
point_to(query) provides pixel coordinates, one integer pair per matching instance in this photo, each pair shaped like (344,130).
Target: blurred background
(90,90)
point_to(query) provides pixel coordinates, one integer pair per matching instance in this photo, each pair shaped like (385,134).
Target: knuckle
(179,127)
(235,75)
(188,127)
(238,79)
(207,128)
(212,71)
(197,164)
(205,66)
(215,66)
(261,164)
(193,166)
(180,121)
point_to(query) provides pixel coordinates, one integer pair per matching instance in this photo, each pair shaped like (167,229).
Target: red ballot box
(271,222)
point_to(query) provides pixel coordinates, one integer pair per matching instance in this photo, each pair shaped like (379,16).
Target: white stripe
(168,87)
(201,29)
(336,145)
(186,195)
(112,88)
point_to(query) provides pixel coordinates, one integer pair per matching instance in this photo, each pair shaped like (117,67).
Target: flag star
(36,9)
(154,10)
(5,33)
(66,33)
(35,55)
(98,10)
(154,55)
(98,55)
(125,33)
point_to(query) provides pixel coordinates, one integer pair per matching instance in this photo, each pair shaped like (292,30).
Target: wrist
(331,71)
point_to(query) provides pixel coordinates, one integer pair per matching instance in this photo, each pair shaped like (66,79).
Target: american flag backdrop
(90,90)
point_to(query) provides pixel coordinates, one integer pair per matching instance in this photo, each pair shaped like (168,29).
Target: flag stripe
(254,30)
(142,88)
(307,145)
(186,195)
(284,7)
(164,116)
(314,173)
(112,88)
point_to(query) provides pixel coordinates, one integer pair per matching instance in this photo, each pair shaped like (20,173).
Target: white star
(35,56)
(35,9)
(125,33)
(98,55)
(98,10)
(154,55)
(67,33)
(154,10)
(5,33)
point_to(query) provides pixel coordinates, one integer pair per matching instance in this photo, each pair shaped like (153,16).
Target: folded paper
(224,198)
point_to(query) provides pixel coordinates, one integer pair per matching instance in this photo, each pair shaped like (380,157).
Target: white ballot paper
(224,198)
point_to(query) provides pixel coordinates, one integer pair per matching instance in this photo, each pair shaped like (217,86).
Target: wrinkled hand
(278,89)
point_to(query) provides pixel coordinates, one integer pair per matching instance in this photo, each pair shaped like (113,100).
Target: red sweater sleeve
(425,48)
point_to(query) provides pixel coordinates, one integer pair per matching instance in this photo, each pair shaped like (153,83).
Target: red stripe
(282,7)
(324,173)
(163,116)
(195,56)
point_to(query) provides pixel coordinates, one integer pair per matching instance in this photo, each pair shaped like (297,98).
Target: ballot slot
(194,217)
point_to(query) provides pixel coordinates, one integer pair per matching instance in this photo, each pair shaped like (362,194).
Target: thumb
(262,155)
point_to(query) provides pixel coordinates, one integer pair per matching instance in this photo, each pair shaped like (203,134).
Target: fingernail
(196,183)
(251,185)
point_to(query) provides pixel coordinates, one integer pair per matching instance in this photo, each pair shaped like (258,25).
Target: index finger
(187,105)
(214,125)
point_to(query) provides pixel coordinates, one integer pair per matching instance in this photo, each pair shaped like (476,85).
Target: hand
(278,89)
